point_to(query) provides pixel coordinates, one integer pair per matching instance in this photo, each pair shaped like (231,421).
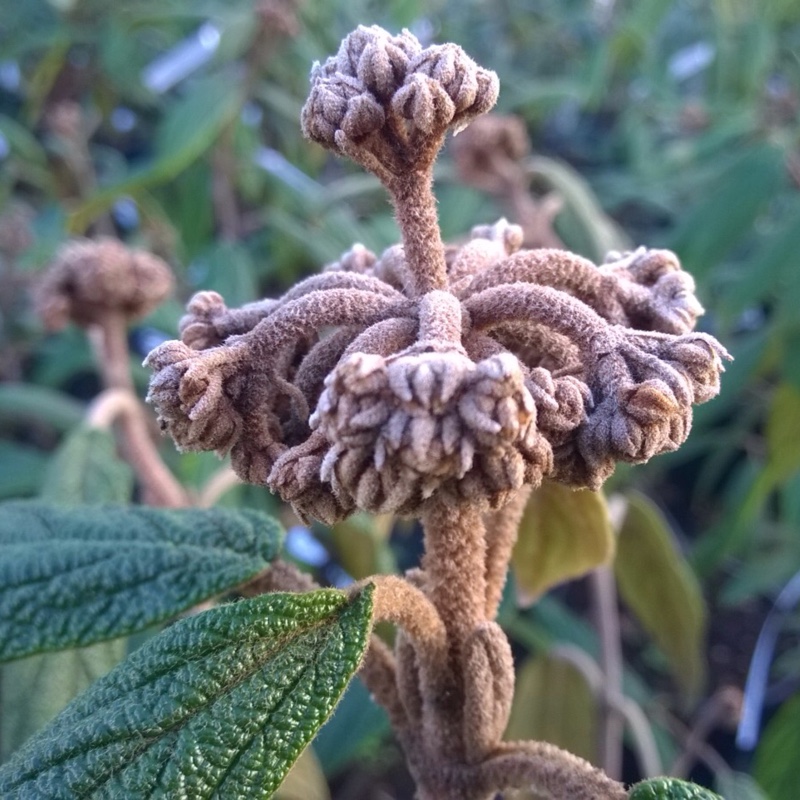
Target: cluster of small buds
(90,278)
(369,386)
(387,102)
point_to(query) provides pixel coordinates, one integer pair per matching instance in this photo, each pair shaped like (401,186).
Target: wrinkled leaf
(670,789)
(553,703)
(563,534)
(72,577)
(775,767)
(219,705)
(35,689)
(657,584)
(86,469)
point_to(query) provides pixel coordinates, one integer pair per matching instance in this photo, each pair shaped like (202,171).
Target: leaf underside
(219,705)
(72,577)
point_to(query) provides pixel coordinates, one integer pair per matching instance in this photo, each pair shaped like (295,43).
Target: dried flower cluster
(439,381)
(90,279)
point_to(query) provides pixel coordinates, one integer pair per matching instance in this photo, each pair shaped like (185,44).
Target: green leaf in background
(26,403)
(189,129)
(35,689)
(86,469)
(563,534)
(21,468)
(712,228)
(583,224)
(362,545)
(775,767)
(219,705)
(659,587)
(554,703)
(738,786)
(670,789)
(72,577)
(354,732)
(228,268)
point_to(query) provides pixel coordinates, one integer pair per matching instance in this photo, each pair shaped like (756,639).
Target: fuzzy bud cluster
(90,278)
(387,102)
(372,386)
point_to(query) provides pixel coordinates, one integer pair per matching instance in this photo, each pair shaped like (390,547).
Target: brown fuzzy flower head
(89,279)
(387,102)
(488,153)
(364,387)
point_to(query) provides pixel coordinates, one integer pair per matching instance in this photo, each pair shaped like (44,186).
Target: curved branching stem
(501,535)
(552,773)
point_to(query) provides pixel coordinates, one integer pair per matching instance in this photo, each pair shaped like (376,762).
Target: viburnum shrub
(437,382)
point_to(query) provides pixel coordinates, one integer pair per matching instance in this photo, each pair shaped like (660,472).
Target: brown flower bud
(189,395)
(88,279)
(400,428)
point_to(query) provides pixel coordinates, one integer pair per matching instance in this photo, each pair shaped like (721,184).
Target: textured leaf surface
(563,534)
(670,789)
(775,765)
(86,469)
(72,577)
(219,705)
(660,588)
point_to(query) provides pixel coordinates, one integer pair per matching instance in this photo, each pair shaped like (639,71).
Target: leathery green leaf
(221,704)
(86,469)
(554,703)
(658,585)
(563,534)
(670,789)
(775,765)
(74,576)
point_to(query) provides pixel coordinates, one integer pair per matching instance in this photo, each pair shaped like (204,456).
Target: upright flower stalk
(440,382)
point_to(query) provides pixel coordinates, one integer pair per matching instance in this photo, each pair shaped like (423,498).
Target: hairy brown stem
(502,527)
(159,484)
(454,565)
(415,206)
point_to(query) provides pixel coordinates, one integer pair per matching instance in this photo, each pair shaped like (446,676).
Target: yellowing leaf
(360,542)
(660,588)
(305,781)
(554,703)
(783,433)
(563,534)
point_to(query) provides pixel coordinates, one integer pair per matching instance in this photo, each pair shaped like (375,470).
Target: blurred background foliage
(672,123)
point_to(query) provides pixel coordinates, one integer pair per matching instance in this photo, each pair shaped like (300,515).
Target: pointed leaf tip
(219,705)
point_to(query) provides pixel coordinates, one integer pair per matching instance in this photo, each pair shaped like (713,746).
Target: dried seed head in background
(470,371)
(89,279)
